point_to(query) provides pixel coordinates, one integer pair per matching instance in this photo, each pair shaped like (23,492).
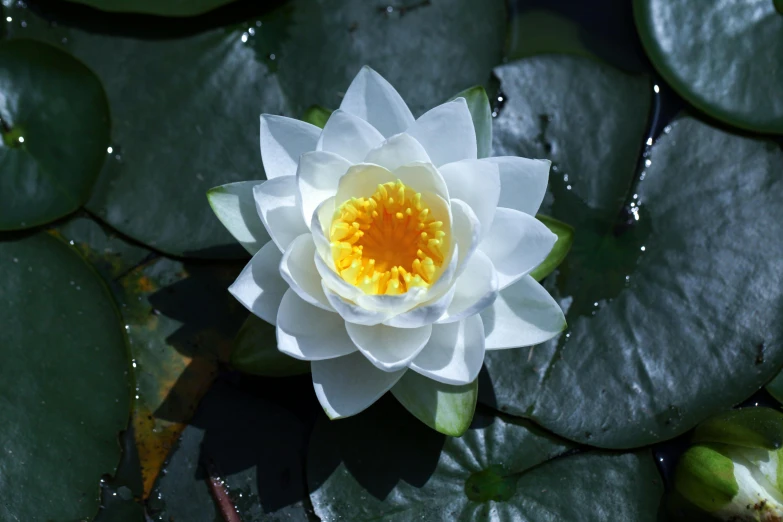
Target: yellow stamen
(388,242)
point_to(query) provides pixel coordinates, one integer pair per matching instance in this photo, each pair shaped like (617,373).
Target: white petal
(477,183)
(373,99)
(349,385)
(466,231)
(523,182)
(310,333)
(524,314)
(475,289)
(322,219)
(446,132)
(423,177)
(298,269)
(276,204)
(333,281)
(454,353)
(424,314)
(388,348)
(235,207)
(317,178)
(398,150)
(516,244)
(361,181)
(352,312)
(283,140)
(259,286)
(348,136)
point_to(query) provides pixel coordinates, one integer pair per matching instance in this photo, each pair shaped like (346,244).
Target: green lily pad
(746,427)
(385,465)
(255,352)
(185,100)
(253,445)
(180,321)
(726,58)
(667,299)
(63,379)
(156,7)
(54,122)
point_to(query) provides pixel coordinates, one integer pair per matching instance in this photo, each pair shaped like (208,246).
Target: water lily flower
(394,247)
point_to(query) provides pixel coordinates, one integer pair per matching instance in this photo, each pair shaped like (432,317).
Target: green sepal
(316,115)
(565,238)
(481,112)
(705,477)
(746,427)
(446,408)
(255,351)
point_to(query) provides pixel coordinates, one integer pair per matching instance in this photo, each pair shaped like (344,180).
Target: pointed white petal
(298,269)
(349,385)
(283,140)
(398,150)
(424,314)
(423,177)
(446,133)
(348,136)
(466,231)
(310,333)
(475,289)
(259,286)
(477,183)
(388,348)
(373,99)
(516,244)
(524,314)
(235,207)
(454,353)
(352,312)
(276,204)
(317,178)
(523,182)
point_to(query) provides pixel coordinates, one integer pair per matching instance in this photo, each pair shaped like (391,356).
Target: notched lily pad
(501,468)
(54,122)
(671,285)
(63,379)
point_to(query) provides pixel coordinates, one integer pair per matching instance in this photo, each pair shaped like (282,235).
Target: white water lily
(393,249)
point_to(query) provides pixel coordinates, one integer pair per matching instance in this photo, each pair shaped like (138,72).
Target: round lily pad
(186,99)
(726,58)
(54,122)
(385,465)
(156,7)
(63,379)
(667,297)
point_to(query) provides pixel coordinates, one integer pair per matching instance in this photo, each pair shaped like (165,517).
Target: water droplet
(643,249)
(647,163)
(8,19)
(244,37)
(389,9)
(656,89)
(109,150)
(251,31)
(649,141)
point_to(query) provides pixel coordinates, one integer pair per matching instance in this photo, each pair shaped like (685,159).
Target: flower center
(389,242)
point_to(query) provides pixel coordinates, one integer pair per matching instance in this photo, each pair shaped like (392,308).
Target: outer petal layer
(516,244)
(310,333)
(477,183)
(454,353)
(349,385)
(276,204)
(446,132)
(475,289)
(524,314)
(389,349)
(348,136)
(298,269)
(373,99)
(283,140)
(523,182)
(235,207)
(259,286)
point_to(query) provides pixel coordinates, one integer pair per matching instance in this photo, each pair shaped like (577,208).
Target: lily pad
(726,58)
(54,124)
(251,446)
(667,298)
(180,321)
(63,379)
(156,7)
(186,98)
(502,468)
